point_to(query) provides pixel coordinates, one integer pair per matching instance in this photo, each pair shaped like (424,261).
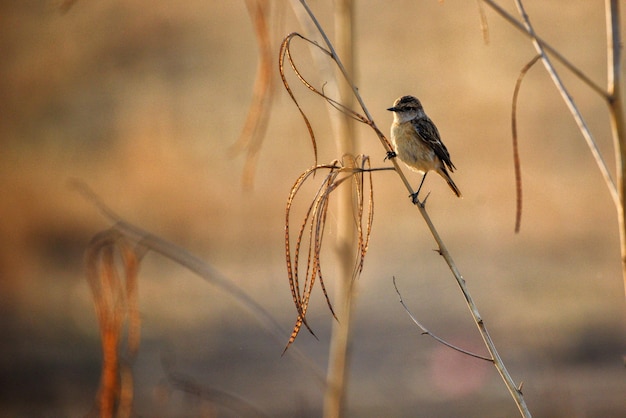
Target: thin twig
(499,364)
(484,26)
(255,126)
(575,70)
(369,120)
(516,159)
(541,48)
(230,401)
(482,328)
(427,332)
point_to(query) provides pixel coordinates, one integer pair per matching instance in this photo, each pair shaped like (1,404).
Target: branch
(616,116)
(491,347)
(516,159)
(427,332)
(575,70)
(513,390)
(582,125)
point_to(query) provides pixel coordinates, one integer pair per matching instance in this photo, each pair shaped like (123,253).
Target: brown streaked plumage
(417,142)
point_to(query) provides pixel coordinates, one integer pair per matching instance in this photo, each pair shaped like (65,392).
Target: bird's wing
(430,135)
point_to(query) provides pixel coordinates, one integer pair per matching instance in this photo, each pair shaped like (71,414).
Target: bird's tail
(446,176)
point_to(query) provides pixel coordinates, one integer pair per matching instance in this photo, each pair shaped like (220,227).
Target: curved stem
(582,125)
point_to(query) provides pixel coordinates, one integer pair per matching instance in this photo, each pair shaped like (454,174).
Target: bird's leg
(414,195)
(390,155)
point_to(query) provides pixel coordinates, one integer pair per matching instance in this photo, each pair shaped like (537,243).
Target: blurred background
(143,100)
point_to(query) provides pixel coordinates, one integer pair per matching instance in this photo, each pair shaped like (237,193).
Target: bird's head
(406,108)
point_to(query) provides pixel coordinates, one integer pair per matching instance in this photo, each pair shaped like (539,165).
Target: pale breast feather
(413,151)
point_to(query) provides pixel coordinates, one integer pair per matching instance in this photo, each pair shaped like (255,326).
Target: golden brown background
(142,100)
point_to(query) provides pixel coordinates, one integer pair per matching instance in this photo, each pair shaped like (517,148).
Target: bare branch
(524,29)
(427,332)
(582,125)
(516,159)
(484,26)
(516,394)
(175,380)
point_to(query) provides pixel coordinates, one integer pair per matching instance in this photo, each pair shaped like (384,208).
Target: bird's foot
(390,155)
(416,200)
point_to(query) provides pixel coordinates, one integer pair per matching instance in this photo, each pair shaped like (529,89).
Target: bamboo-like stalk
(616,116)
(346,245)
(546,46)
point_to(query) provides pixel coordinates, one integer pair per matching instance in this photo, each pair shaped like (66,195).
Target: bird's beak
(392,109)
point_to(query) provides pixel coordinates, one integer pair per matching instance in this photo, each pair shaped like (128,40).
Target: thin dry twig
(255,126)
(149,241)
(547,47)
(484,26)
(230,401)
(182,382)
(541,47)
(499,364)
(612,96)
(285,53)
(516,394)
(427,332)
(516,159)
(369,121)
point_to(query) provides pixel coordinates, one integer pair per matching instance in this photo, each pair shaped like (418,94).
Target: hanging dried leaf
(115,302)
(311,231)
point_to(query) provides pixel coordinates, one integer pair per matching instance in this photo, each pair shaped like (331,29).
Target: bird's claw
(416,200)
(390,155)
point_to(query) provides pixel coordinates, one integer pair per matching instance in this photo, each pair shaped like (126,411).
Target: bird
(417,142)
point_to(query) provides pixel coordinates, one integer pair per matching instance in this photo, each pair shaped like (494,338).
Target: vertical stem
(616,115)
(338,358)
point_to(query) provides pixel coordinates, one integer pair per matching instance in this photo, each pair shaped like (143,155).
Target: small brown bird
(417,142)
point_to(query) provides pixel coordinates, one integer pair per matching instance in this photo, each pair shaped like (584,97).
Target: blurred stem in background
(346,243)
(616,113)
